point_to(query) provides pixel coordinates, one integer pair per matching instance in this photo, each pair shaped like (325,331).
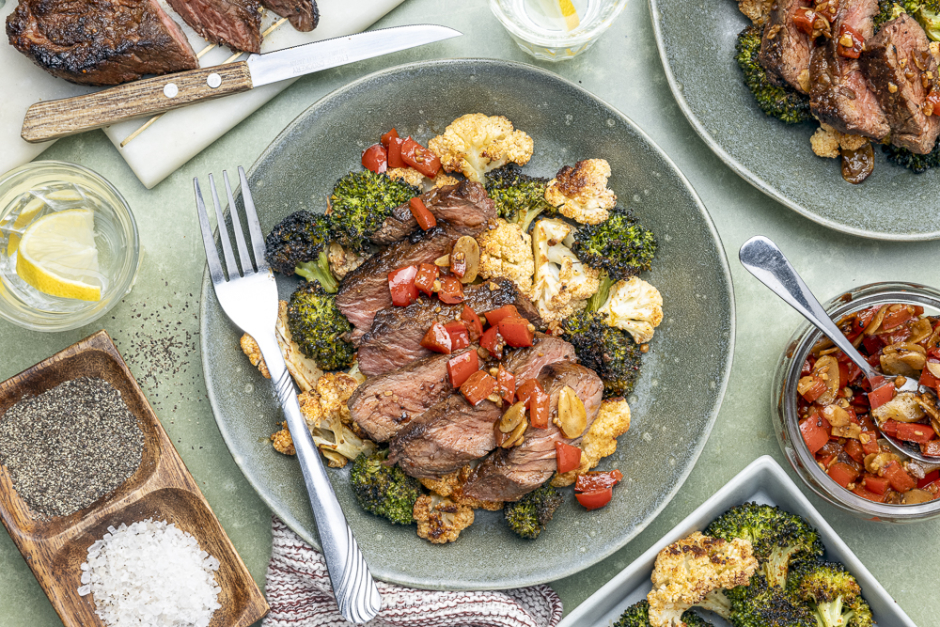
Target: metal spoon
(763,259)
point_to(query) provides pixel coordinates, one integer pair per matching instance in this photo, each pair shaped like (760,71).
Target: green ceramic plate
(684,376)
(696,42)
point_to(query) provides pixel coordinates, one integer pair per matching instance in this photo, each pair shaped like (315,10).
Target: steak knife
(58,118)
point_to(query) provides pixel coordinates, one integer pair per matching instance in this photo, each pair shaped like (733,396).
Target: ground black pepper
(69,446)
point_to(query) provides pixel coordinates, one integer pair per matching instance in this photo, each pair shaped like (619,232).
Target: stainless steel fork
(249,299)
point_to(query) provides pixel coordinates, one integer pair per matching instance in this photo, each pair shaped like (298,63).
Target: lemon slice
(57,255)
(572,21)
(30,211)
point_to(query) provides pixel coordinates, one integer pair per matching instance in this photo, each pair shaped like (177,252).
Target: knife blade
(59,118)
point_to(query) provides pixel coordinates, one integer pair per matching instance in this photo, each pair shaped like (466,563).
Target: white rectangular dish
(763,481)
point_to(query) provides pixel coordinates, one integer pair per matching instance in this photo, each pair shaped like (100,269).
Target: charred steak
(395,337)
(901,71)
(839,92)
(510,474)
(465,206)
(232,23)
(527,363)
(303,15)
(99,42)
(784,49)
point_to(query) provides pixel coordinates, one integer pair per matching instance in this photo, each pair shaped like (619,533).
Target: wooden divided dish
(161,488)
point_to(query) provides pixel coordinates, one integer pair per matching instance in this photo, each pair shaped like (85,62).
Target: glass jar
(784,400)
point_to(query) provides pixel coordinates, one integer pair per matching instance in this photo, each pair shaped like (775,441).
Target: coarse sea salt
(150,574)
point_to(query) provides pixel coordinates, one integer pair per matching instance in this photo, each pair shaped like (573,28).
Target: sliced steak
(385,405)
(839,93)
(232,23)
(465,206)
(303,15)
(784,49)
(527,363)
(395,337)
(99,42)
(510,474)
(364,291)
(901,71)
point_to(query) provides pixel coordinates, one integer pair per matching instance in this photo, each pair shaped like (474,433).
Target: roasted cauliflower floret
(506,252)
(562,283)
(694,571)
(451,486)
(581,192)
(282,441)
(440,520)
(303,370)
(829,143)
(408,175)
(327,418)
(343,261)
(634,306)
(476,143)
(442,180)
(253,352)
(600,441)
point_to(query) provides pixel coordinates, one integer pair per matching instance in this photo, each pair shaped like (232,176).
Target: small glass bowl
(521,19)
(115,236)
(785,402)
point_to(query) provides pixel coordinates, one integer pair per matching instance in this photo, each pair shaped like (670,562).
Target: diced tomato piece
(929,478)
(517,331)
(420,158)
(401,283)
(459,336)
(813,432)
(594,500)
(386,138)
(875,484)
(896,318)
(890,427)
(424,280)
(848,35)
(493,342)
(899,478)
(597,480)
(915,432)
(843,474)
(461,367)
(474,324)
(567,457)
(881,395)
(477,387)
(818,388)
(506,311)
(853,449)
(375,158)
(804,19)
(438,339)
(422,214)
(507,385)
(394,153)
(451,292)
(867,494)
(931,449)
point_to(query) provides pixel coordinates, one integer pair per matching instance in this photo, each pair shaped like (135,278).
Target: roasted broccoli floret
(384,490)
(299,243)
(832,592)
(917,164)
(887,10)
(778,537)
(361,201)
(760,604)
(519,198)
(607,350)
(528,516)
(779,102)
(638,615)
(927,12)
(318,327)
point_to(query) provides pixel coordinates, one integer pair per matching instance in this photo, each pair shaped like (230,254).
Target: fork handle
(356,593)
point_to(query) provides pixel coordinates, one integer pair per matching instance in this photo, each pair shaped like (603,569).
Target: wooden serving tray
(161,488)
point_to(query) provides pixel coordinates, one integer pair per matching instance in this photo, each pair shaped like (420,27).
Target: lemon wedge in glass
(57,255)
(569,14)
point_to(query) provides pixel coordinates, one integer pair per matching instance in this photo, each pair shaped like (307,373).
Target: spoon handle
(764,260)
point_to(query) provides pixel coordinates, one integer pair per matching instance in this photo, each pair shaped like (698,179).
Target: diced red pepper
(507,385)
(931,449)
(875,484)
(375,158)
(927,379)
(506,311)
(401,283)
(451,292)
(869,442)
(867,494)
(818,388)
(538,402)
(813,433)
(899,478)
(420,158)
(424,280)
(477,387)
(594,500)
(890,427)
(915,432)
(853,449)
(597,480)
(438,339)
(896,318)
(474,324)
(901,334)
(807,368)
(872,344)
(843,474)
(459,336)
(826,460)
(422,214)
(803,19)
(932,103)
(567,457)
(394,153)
(843,374)
(929,478)
(461,367)
(848,35)
(491,341)
(881,395)
(517,331)
(388,136)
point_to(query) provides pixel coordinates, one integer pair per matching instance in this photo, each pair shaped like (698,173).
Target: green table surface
(156,326)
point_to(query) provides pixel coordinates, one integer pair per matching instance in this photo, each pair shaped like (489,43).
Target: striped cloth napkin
(299,593)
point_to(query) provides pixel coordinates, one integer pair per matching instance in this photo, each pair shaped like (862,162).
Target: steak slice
(510,474)
(387,404)
(784,49)
(465,206)
(527,363)
(303,15)
(99,42)
(901,71)
(839,93)
(395,337)
(232,23)
(364,291)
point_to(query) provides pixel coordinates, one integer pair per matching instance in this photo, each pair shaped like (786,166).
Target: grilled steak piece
(232,23)
(784,49)
(364,291)
(303,15)
(395,337)
(510,474)
(99,42)
(527,363)
(465,206)
(839,93)
(385,405)
(897,62)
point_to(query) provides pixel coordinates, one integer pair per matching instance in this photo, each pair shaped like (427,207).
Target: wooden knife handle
(58,118)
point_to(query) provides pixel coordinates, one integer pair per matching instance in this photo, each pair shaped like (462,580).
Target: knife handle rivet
(170,90)
(214,80)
